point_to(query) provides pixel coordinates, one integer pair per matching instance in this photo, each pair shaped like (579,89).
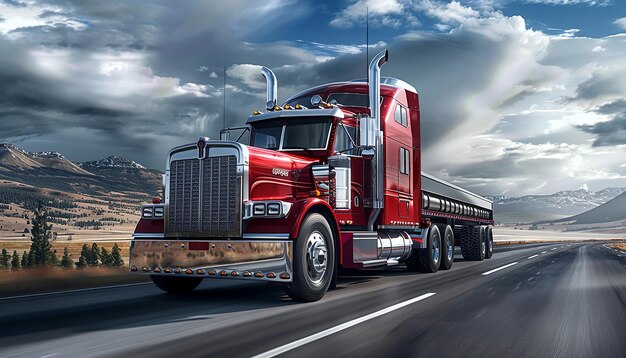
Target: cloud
(621,23)
(609,133)
(379,11)
(571,2)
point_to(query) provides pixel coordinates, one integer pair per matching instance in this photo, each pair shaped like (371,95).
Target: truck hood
(277,175)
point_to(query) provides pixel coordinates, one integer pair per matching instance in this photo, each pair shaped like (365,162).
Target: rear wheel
(313,260)
(447,243)
(489,240)
(428,259)
(473,243)
(176,284)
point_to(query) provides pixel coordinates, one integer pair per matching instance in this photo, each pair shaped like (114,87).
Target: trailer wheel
(447,250)
(176,284)
(313,260)
(473,243)
(489,240)
(428,259)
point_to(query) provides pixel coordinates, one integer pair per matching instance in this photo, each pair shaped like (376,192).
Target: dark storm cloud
(601,83)
(609,133)
(614,107)
(14,3)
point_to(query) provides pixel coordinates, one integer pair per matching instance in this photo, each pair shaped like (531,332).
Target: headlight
(258,209)
(273,209)
(152,212)
(147,212)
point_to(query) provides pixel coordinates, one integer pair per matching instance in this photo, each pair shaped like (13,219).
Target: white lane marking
(543,252)
(533,256)
(554,248)
(72,291)
(499,268)
(314,337)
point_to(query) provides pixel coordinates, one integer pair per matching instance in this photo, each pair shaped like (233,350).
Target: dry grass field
(620,246)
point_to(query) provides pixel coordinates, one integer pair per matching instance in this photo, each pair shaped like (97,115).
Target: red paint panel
(149,226)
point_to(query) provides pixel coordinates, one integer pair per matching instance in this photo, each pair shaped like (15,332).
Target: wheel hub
(436,251)
(316,257)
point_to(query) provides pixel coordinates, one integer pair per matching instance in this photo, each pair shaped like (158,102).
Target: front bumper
(259,260)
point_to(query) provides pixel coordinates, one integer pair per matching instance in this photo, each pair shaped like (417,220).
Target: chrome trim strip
(145,235)
(266,236)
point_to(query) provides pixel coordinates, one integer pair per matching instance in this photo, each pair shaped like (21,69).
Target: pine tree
(94,255)
(83,260)
(24,259)
(15,261)
(4,259)
(116,256)
(40,242)
(66,260)
(105,257)
(31,259)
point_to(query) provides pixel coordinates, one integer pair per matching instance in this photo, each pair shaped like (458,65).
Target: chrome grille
(204,198)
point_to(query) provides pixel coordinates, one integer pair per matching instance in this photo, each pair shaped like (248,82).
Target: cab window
(344,138)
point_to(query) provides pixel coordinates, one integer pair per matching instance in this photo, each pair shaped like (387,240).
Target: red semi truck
(332,179)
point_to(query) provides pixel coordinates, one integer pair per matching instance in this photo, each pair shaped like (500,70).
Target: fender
(303,207)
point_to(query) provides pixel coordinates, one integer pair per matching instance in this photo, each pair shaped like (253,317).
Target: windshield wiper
(303,148)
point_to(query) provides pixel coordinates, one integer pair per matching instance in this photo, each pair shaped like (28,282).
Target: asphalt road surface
(543,300)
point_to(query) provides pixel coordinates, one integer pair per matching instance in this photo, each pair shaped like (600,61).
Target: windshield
(292,133)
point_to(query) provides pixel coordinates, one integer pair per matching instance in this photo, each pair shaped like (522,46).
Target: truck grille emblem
(201,147)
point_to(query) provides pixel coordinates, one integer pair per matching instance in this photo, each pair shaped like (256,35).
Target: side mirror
(367,135)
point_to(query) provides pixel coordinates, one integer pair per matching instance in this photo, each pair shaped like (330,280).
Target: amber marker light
(258,274)
(298,106)
(157,270)
(212,272)
(234,273)
(287,107)
(177,270)
(247,274)
(200,271)
(223,273)
(256,113)
(189,271)
(277,108)
(284,276)
(167,270)
(271,275)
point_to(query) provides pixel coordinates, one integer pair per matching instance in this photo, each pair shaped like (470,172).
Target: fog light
(259,209)
(158,212)
(147,212)
(273,209)
(271,275)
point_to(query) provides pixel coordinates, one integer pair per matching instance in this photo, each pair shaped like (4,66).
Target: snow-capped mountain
(111,162)
(531,208)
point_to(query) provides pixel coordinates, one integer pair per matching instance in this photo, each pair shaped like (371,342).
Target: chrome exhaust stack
(371,132)
(272,88)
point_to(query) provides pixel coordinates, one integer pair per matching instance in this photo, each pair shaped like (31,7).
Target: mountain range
(99,178)
(531,208)
(612,210)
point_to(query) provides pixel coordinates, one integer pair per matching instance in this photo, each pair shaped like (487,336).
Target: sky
(517,97)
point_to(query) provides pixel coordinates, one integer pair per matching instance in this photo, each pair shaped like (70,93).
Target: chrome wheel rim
(482,246)
(316,257)
(436,251)
(450,247)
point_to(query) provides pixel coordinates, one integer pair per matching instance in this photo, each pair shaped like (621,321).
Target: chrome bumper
(249,259)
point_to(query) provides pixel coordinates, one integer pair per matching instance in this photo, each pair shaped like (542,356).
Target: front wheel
(176,284)
(313,260)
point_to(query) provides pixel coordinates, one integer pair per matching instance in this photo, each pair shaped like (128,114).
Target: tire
(447,248)
(313,260)
(489,241)
(176,284)
(428,259)
(473,243)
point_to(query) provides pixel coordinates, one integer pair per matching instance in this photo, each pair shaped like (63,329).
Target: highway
(540,300)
